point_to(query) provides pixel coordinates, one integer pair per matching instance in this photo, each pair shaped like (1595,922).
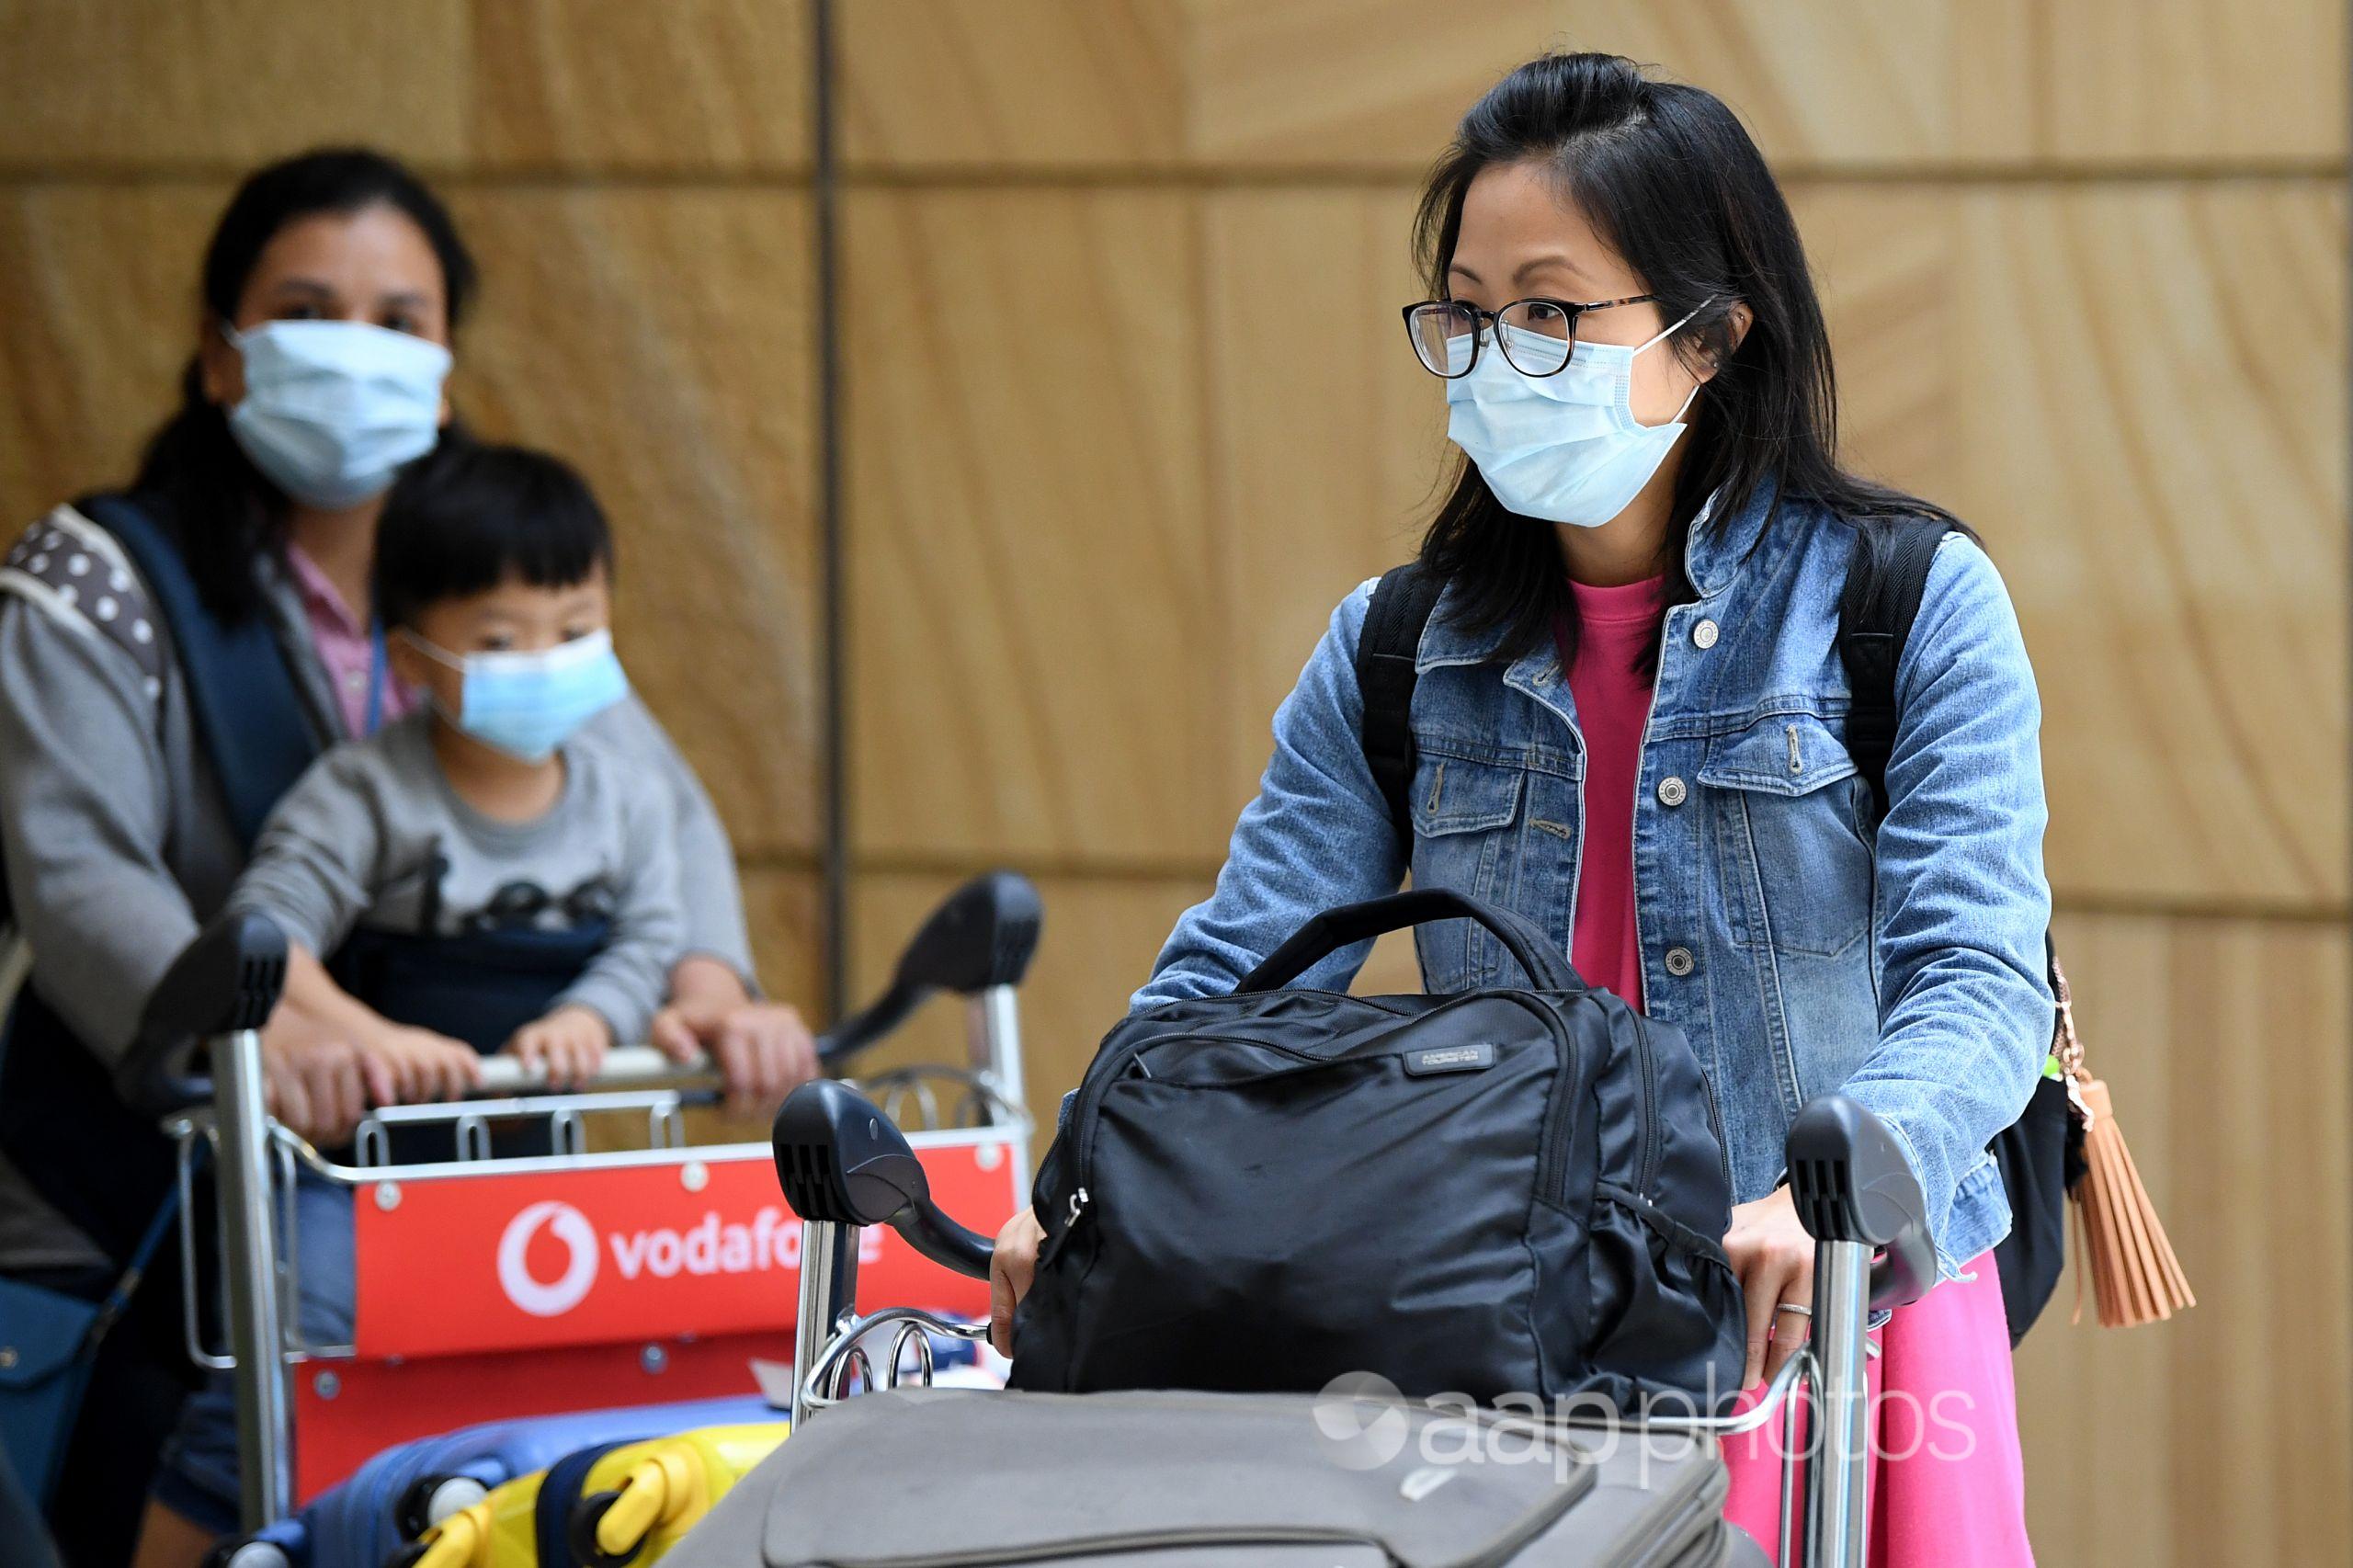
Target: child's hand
(404,1065)
(569,1043)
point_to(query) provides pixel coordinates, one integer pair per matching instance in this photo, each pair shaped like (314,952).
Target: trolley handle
(225,982)
(1852,1183)
(625,1067)
(981,937)
(842,1161)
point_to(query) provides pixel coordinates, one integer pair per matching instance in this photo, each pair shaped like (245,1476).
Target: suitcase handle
(1527,943)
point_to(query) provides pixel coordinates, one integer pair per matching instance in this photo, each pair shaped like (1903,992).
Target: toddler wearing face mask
(473,880)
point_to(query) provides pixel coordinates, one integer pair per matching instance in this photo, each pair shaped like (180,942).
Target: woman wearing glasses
(1628,726)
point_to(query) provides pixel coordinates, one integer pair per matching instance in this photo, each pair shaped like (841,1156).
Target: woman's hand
(763,1050)
(312,1077)
(1774,1257)
(404,1065)
(570,1042)
(1011,1267)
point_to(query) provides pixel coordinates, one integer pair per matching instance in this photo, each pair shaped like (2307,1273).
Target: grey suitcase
(914,1478)
(942,1477)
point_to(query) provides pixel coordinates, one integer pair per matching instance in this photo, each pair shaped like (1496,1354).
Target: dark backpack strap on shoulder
(250,718)
(1402,604)
(1885,578)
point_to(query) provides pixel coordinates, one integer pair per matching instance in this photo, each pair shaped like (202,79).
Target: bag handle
(1336,928)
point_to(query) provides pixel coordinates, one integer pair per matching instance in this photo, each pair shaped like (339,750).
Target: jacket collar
(1712,559)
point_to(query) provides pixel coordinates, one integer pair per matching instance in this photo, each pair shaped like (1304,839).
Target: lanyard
(376,661)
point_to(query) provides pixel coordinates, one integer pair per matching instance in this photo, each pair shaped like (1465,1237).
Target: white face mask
(333,409)
(1564,448)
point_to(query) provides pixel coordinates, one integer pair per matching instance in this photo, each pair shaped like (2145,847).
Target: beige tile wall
(1128,411)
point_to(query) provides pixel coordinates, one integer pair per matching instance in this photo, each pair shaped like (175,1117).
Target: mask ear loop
(447,661)
(1666,332)
(1670,332)
(430,649)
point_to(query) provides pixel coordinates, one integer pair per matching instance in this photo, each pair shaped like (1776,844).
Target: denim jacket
(1801,945)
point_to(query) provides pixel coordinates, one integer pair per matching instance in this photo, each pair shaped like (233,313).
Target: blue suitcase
(395,1494)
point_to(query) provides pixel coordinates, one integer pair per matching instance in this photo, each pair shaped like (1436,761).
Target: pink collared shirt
(345,647)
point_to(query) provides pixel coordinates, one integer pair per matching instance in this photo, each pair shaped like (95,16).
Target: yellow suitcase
(632,1503)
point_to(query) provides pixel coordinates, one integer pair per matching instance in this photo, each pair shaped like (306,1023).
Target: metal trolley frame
(222,990)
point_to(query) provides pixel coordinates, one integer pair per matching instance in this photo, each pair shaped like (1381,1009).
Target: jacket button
(1670,791)
(1679,962)
(1703,635)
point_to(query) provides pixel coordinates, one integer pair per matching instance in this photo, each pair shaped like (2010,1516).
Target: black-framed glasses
(1544,333)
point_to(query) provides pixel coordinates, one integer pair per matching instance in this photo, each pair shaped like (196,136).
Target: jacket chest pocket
(1783,796)
(1465,816)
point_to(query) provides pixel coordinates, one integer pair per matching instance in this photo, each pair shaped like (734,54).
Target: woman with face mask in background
(1628,726)
(331,292)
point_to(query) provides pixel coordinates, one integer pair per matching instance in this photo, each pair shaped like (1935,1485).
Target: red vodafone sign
(687,1243)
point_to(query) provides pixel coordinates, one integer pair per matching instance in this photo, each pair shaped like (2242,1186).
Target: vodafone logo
(769,1239)
(544,1299)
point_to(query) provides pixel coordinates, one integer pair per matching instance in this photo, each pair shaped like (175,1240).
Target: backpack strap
(1885,578)
(1402,604)
(250,720)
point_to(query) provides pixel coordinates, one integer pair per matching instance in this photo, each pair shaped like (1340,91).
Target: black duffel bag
(1504,1192)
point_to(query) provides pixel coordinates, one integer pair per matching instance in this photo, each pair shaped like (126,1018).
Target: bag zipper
(1647,1151)
(1100,1546)
(1552,1153)
(1502,1550)
(1646,1161)
(1090,1096)
(1105,1072)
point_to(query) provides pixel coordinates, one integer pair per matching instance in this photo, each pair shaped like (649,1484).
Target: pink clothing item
(1617,628)
(347,646)
(1946,1481)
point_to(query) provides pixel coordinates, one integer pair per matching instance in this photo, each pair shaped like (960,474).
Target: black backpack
(1500,1192)
(2039,1156)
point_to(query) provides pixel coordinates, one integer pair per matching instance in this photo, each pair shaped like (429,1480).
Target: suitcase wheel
(244,1551)
(429,1499)
(580,1533)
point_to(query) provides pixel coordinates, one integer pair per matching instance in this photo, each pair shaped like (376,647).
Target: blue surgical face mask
(1564,448)
(333,408)
(527,704)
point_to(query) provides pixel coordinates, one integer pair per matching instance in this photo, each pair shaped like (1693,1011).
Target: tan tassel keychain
(2123,1248)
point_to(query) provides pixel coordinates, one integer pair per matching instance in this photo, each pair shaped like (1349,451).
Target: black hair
(224,511)
(477,516)
(1669,178)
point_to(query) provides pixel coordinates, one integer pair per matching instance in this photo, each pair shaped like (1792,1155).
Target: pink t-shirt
(347,647)
(1617,627)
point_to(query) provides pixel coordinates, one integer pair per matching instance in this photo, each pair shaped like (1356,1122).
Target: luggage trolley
(844,1167)
(455,1322)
